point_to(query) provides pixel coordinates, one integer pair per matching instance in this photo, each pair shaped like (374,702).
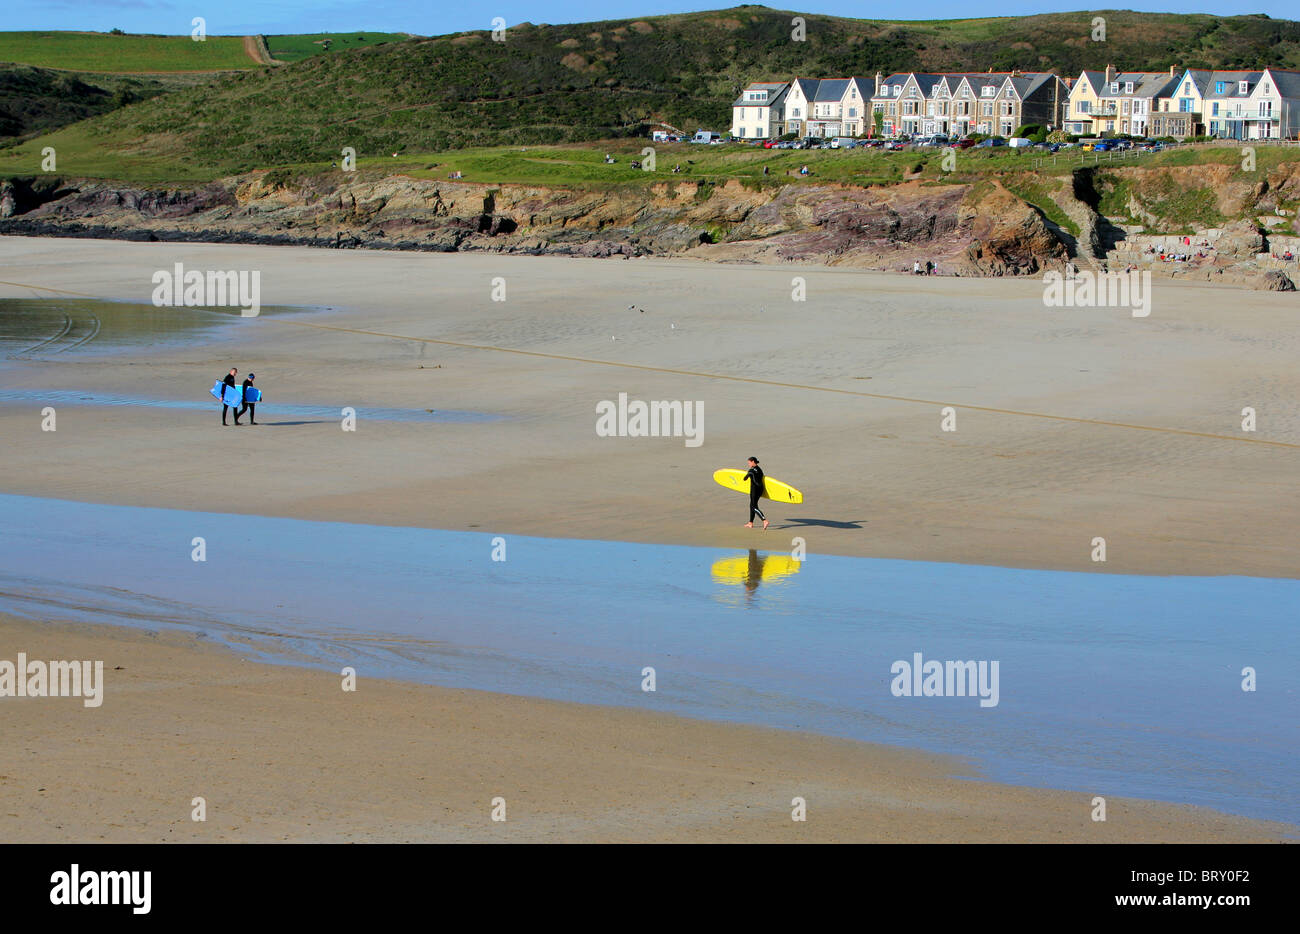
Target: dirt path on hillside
(257,50)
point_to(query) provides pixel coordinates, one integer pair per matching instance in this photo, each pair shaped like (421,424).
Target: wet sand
(284,754)
(880,477)
(1159,468)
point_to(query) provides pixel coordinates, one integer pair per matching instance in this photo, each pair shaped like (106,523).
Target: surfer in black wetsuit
(229,381)
(755,477)
(249,407)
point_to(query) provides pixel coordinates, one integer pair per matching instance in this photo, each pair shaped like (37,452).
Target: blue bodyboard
(252,394)
(230,395)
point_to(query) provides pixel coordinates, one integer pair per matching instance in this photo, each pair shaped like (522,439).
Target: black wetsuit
(755,477)
(249,407)
(229,381)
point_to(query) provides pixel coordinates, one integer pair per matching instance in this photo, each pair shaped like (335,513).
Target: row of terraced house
(1262,104)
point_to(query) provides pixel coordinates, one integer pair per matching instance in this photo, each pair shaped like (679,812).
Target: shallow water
(267,408)
(45,328)
(1109,684)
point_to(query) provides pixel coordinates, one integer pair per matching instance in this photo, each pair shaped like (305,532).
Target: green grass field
(296,48)
(101,52)
(84,152)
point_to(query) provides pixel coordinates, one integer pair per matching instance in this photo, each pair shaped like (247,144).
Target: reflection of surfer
(754,571)
(229,381)
(249,407)
(755,477)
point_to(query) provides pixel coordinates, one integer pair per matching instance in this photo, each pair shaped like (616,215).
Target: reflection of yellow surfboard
(774,490)
(753,568)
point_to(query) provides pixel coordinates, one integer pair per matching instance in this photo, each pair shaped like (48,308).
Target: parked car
(843,142)
(991,142)
(963,144)
(895,146)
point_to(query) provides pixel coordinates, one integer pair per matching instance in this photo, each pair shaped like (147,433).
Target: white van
(843,142)
(1019,142)
(660,136)
(706,136)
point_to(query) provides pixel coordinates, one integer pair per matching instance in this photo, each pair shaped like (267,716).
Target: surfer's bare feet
(764,525)
(749,525)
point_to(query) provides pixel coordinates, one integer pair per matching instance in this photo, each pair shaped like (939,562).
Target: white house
(799,104)
(759,112)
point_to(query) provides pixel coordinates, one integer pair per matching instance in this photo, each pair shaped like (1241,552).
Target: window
(898,90)
(1128,87)
(987,110)
(1266,108)
(987,92)
(1214,109)
(1243,87)
(1184,105)
(1219,86)
(1187,88)
(853,111)
(1085,107)
(795,113)
(1114,87)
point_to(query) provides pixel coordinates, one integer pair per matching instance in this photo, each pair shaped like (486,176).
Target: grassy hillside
(100,51)
(555,84)
(34,100)
(305,45)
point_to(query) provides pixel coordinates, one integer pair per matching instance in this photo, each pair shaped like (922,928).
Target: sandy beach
(881,477)
(1072,424)
(283,754)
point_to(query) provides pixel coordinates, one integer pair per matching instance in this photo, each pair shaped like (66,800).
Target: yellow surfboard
(773,489)
(753,568)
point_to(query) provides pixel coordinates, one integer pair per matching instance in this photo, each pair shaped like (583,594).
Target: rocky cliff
(979,229)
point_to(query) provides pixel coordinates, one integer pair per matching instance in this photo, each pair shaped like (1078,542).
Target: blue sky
(429,17)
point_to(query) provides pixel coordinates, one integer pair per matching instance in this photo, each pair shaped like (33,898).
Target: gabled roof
(926,81)
(831,89)
(807,85)
(1288,82)
(1096,80)
(866,86)
(1231,84)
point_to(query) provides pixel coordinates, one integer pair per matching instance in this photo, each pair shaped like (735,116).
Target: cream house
(799,104)
(1242,104)
(855,105)
(759,112)
(1110,102)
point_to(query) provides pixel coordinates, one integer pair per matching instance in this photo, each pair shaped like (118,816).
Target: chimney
(880,79)
(1110,73)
